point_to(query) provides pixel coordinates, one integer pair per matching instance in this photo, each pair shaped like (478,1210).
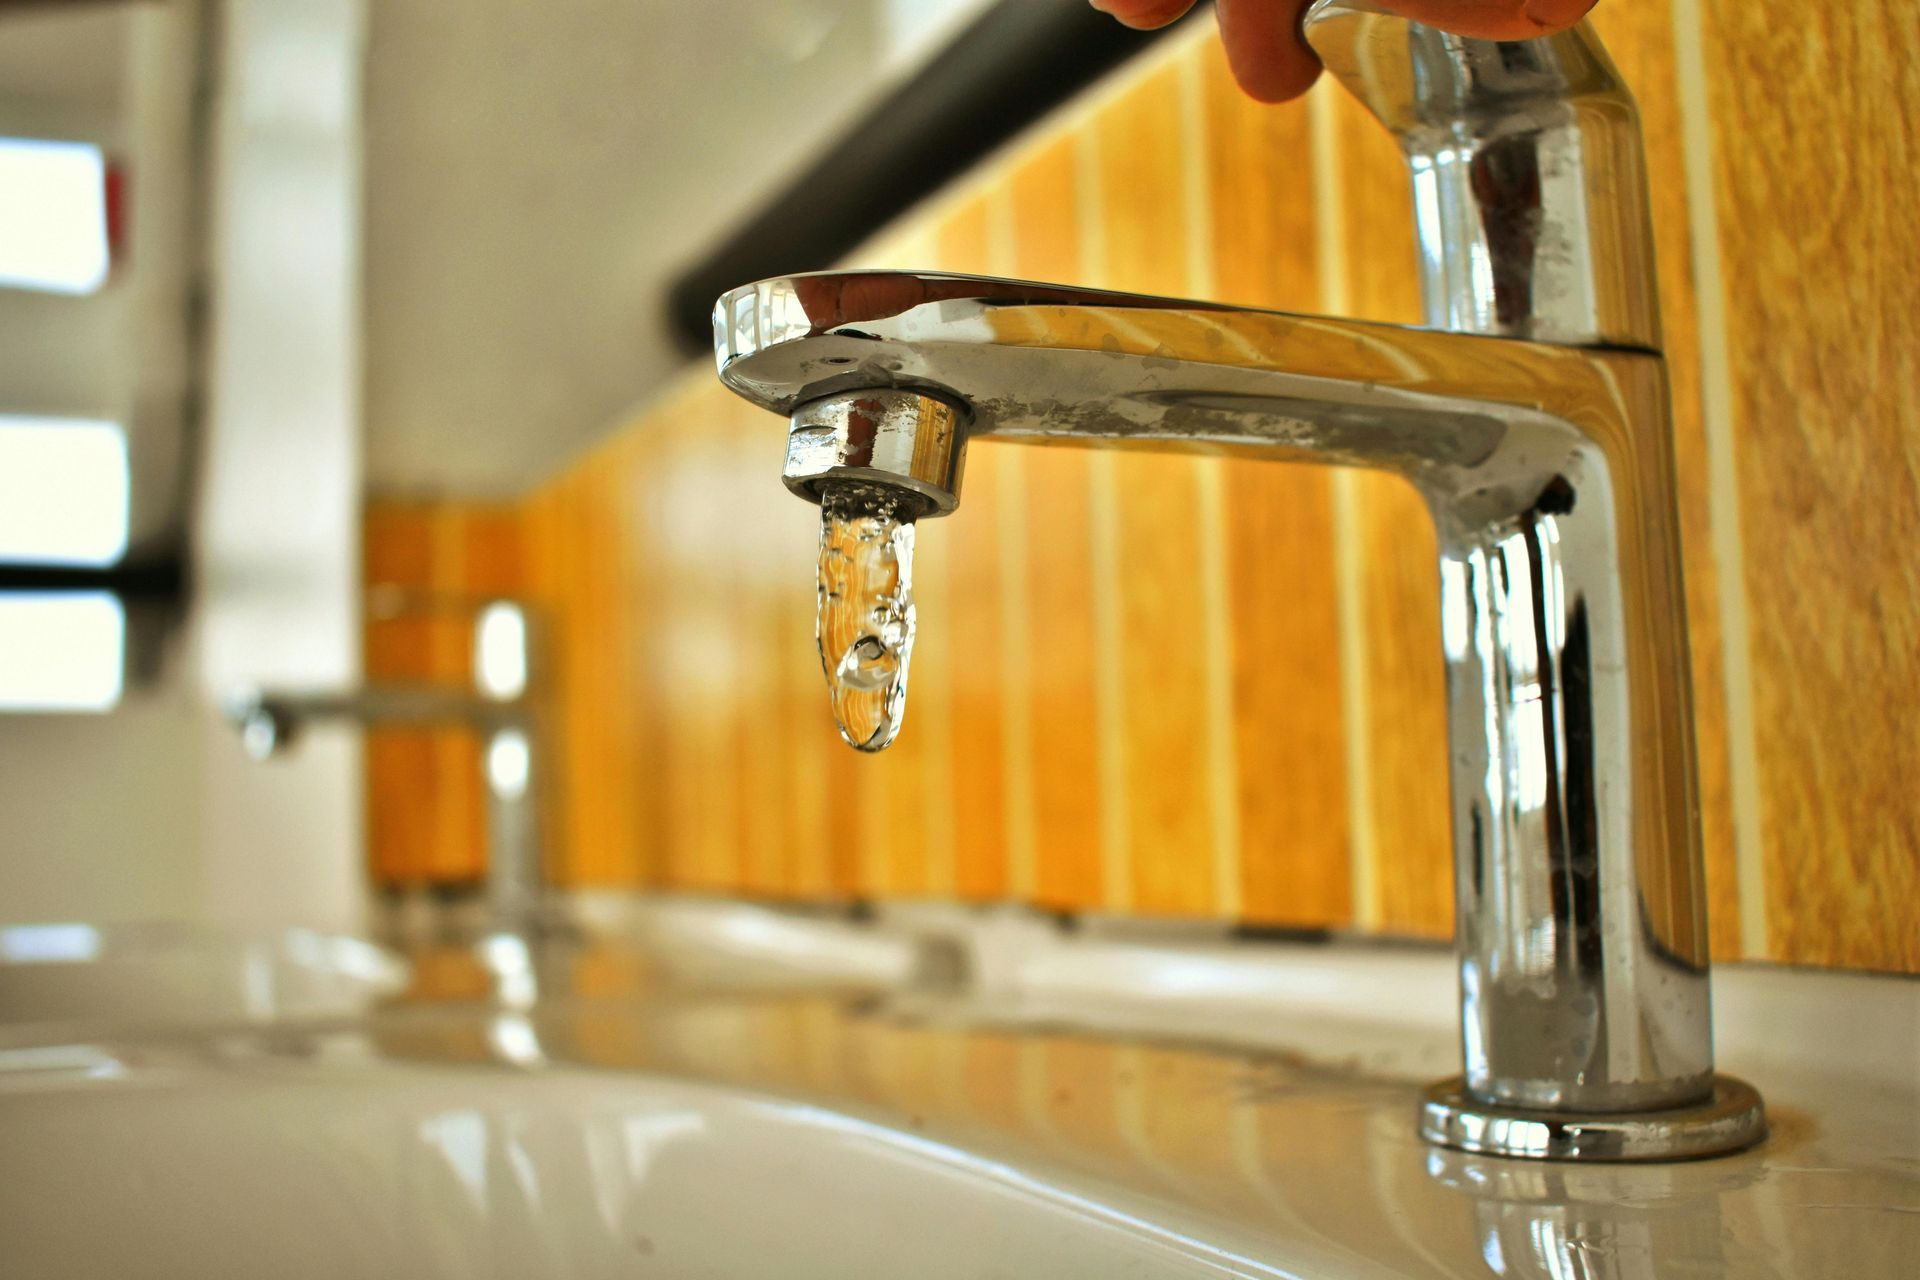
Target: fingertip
(1273,84)
(1557,15)
(1143,15)
(1270,58)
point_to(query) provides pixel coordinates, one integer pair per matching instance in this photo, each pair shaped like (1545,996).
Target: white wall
(151,811)
(279,544)
(100,815)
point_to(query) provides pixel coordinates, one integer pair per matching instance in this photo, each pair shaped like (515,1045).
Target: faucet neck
(1529,187)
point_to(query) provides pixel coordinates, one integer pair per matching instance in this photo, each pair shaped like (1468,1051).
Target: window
(61,650)
(63,504)
(53,216)
(63,492)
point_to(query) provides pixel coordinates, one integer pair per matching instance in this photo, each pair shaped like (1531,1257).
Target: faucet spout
(1535,426)
(271,723)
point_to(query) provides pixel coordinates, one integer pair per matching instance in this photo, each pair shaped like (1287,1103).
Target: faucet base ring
(1731,1119)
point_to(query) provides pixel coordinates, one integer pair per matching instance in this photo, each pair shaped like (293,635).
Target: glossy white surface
(624,1127)
(119,1168)
(68,977)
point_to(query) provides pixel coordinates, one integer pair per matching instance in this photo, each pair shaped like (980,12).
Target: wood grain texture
(426,564)
(772,550)
(1639,36)
(1067,870)
(1166,639)
(1288,720)
(403,780)
(587,605)
(1398,592)
(974,622)
(694,498)
(695,750)
(1818,172)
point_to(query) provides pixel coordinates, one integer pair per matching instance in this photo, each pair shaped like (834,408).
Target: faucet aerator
(905,444)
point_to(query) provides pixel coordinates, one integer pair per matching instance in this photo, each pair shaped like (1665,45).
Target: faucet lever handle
(1529,185)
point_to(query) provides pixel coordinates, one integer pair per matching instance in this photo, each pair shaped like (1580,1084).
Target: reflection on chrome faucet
(501,708)
(1532,418)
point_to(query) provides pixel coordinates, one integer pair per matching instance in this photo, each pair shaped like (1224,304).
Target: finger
(1268,55)
(1144,15)
(1494,19)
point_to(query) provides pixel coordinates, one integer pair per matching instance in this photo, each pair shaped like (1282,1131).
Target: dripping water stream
(866,616)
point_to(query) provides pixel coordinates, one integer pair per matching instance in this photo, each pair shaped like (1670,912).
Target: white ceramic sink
(1040,1122)
(85,975)
(294,1169)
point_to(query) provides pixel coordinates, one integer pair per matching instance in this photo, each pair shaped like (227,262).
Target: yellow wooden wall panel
(1131,691)
(402,802)
(692,505)
(600,641)
(974,622)
(1639,36)
(754,446)
(456,847)
(601,730)
(800,709)
(1289,724)
(1818,173)
(575,795)
(1062,708)
(1165,640)
(548,550)
(1395,591)
(425,563)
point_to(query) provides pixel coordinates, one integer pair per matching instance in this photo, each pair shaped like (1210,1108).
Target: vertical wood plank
(715,704)
(1288,718)
(752,444)
(1045,197)
(1640,39)
(1165,641)
(567,677)
(970,540)
(457,848)
(425,810)
(601,722)
(695,747)
(1398,594)
(403,779)
(1818,171)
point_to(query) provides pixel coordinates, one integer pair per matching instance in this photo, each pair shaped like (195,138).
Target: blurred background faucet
(500,707)
(1533,418)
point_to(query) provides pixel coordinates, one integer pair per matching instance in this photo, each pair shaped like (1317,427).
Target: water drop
(866,615)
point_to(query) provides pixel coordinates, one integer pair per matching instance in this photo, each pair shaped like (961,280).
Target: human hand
(1273,63)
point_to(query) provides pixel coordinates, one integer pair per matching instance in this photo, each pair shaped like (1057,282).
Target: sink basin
(119,1166)
(628,1125)
(161,972)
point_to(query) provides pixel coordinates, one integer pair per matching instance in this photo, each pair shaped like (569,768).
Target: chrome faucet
(1532,416)
(501,709)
